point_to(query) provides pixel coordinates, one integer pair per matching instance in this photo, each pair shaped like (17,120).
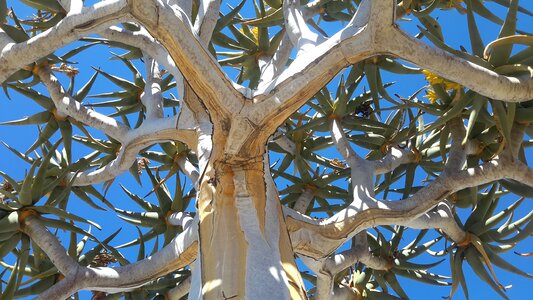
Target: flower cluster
(434,79)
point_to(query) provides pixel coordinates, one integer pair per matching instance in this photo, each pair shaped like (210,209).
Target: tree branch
(33,227)
(15,56)
(149,133)
(302,203)
(394,158)
(371,32)
(477,78)
(441,217)
(361,171)
(327,269)
(275,100)
(299,33)
(71,107)
(207,19)
(72,6)
(317,238)
(180,252)
(180,290)
(173,29)
(152,97)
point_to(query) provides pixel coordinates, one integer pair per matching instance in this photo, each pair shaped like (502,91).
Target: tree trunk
(245,251)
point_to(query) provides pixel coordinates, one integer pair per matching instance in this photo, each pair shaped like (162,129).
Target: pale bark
(69,106)
(15,56)
(177,254)
(243,240)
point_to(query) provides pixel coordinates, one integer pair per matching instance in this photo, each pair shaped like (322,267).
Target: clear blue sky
(455,33)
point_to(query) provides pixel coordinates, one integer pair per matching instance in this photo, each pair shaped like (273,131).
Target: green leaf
(475,38)
(84,91)
(38,118)
(123,83)
(3,11)
(25,194)
(501,53)
(64,214)
(48,5)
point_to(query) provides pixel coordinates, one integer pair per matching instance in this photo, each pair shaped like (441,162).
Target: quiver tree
(339,150)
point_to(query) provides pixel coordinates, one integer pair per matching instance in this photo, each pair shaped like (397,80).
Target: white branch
(206,19)
(394,158)
(72,6)
(173,29)
(182,219)
(457,156)
(477,78)
(316,238)
(180,290)
(371,32)
(180,252)
(441,217)
(327,269)
(299,33)
(69,106)
(149,133)
(189,170)
(58,255)
(152,97)
(272,67)
(284,142)
(133,140)
(361,171)
(302,203)
(275,100)
(15,56)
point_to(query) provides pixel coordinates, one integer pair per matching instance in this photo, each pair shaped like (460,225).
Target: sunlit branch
(277,99)
(361,171)
(149,133)
(71,107)
(457,155)
(477,78)
(143,40)
(302,203)
(206,19)
(173,29)
(271,67)
(152,97)
(441,217)
(180,252)
(189,170)
(299,33)
(371,32)
(393,159)
(15,56)
(72,6)
(180,290)
(317,238)
(327,268)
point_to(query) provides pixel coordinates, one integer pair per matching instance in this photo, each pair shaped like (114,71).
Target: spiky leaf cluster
(363,98)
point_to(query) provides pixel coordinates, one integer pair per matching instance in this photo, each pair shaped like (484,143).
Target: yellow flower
(431,95)
(255,32)
(453,3)
(437,80)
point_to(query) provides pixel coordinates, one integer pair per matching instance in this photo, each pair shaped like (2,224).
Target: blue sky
(456,34)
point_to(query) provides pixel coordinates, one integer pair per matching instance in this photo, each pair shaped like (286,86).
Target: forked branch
(150,132)
(14,56)
(180,252)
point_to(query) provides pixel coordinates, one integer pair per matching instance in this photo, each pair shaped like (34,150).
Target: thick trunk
(245,251)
